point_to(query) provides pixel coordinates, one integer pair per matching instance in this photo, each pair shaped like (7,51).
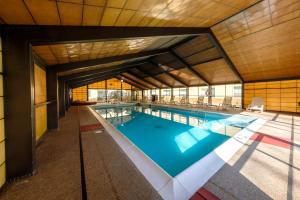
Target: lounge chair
(182,101)
(162,100)
(256,104)
(227,103)
(200,102)
(172,100)
(145,99)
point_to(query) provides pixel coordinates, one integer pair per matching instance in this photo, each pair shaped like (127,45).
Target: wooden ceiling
(263,41)
(86,69)
(216,72)
(160,13)
(64,53)
(193,61)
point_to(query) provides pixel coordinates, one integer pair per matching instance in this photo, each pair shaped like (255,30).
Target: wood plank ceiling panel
(85,51)
(168,79)
(188,77)
(85,69)
(138,80)
(159,13)
(263,41)
(155,82)
(15,12)
(44,12)
(216,72)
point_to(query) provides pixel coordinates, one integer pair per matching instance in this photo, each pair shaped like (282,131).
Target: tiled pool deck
(267,167)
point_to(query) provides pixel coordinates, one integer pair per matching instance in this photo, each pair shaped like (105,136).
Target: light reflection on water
(173,138)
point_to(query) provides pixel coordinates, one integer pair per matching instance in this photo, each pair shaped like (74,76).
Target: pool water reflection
(174,139)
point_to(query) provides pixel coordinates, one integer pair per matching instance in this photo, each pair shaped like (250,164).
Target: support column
(159,95)
(242,96)
(66,97)
(19,106)
(210,95)
(87,92)
(187,97)
(121,90)
(52,95)
(62,104)
(106,91)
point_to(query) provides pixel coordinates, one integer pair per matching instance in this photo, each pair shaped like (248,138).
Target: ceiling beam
(189,67)
(95,76)
(100,61)
(135,81)
(45,34)
(142,79)
(207,61)
(133,84)
(219,47)
(168,73)
(86,82)
(122,67)
(154,77)
(184,41)
(82,83)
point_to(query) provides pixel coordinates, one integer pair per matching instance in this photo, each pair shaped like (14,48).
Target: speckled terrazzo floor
(267,167)
(109,172)
(261,169)
(58,167)
(110,175)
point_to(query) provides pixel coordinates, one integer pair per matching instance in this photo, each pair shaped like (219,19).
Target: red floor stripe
(273,140)
(197,197)
(207,194)
(90,127)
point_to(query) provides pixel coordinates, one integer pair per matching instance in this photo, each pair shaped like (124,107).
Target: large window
(98,95)
(179,94)
(126,95)
(147,94)
(218,94)
(97,92)
(230,90)
(193,94)
(166,95)
(139,95)
(126,92)
(155,92)
(110,90)
(113,90)
(113,95)
(196,92)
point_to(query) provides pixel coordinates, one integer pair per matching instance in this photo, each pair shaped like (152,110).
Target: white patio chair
(256,104)
(226,104)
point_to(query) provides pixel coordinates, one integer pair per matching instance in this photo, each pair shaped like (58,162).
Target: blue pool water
(173,138)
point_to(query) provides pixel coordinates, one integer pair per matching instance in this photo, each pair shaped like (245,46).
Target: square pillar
(19,106)
(52,95)
(62,105)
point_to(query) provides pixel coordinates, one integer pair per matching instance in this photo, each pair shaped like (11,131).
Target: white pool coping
(185,184)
